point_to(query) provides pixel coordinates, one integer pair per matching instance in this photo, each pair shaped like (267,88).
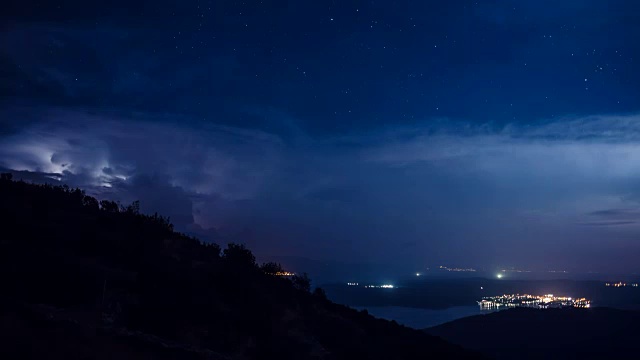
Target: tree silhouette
(320,293)
(109,206)
(133,209)
(272,268)
(165,222)
(302,282)
(239,254)
(212,249)
(90,202)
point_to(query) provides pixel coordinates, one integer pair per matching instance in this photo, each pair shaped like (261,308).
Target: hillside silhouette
(83,278)
(524,333)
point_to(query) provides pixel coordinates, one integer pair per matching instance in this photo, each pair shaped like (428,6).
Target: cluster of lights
(386,286)
(621,284)
(457,269)
(284,273)
(534,301)
(515,270)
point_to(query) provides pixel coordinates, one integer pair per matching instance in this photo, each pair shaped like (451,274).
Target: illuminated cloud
(433,187)
(603,146)
(229,162)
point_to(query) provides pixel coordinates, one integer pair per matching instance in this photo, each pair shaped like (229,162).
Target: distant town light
(456,269)
(547,301)
(385,286)
(417,274)
(499,276)
(283,273)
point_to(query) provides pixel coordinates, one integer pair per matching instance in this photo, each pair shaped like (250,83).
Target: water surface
(422,318)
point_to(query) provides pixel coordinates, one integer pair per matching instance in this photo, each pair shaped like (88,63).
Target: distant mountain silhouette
(89,279)
(598,333)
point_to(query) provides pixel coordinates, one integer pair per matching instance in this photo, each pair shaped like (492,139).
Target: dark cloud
(31,176)
(610,223)
(613,213)
(614,217)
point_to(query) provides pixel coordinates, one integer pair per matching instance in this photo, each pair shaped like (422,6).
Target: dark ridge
(83,278)
(521,333)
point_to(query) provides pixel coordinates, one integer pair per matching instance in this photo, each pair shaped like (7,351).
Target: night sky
(402,133)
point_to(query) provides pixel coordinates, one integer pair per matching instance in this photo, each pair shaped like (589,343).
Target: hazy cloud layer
(509,191)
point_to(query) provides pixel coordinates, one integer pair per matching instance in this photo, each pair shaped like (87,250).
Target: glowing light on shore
(284,273)
(547,301)
(385,286)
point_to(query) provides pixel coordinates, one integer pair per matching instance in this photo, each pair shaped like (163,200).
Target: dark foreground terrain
(598,333)
(83,279)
